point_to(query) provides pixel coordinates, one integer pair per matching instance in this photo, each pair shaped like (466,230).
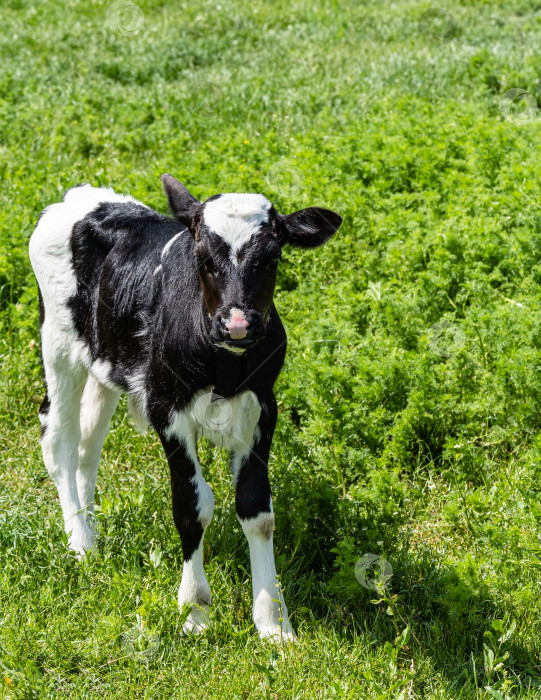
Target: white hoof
(80,538)
(271,618)
(93,524)
(279,634)
(83,550)
(198,620)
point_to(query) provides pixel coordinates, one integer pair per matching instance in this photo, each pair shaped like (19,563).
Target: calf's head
(238,243)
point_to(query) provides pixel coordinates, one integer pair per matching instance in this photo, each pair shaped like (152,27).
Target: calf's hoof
(279,634)
(81,540)
(198,619)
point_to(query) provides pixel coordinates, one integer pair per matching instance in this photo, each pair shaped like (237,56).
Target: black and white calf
(178,313)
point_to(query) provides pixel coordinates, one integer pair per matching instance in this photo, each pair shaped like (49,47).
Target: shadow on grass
(449,608)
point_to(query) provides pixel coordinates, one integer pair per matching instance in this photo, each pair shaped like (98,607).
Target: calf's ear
(182,203)
(309,228)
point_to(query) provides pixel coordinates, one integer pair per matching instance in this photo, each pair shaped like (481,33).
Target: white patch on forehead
(236,218)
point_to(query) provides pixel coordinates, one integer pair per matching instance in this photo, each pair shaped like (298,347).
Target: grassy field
(410,423)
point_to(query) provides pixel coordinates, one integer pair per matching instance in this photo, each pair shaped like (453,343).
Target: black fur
(43,411)
(253,491)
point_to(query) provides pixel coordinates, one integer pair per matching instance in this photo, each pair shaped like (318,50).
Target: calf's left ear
(182,202)
(309,228)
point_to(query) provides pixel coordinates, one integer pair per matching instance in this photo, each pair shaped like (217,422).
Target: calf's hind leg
(98,405)
(60,442)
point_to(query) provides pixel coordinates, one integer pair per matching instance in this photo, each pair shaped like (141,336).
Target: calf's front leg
(254,509)
(193,503)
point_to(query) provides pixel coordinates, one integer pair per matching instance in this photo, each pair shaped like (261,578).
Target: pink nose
(237,327)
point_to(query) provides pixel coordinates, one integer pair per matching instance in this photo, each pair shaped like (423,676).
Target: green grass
(410,421)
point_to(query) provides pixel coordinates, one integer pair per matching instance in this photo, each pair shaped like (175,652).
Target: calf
(178,313)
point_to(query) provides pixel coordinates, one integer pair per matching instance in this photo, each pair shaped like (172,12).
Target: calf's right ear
(309,228)
(182,203)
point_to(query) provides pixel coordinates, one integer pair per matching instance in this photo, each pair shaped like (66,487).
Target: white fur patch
(80,353)
(167,246)
(137,401)
(101,370)
(228,423)
(140,421)
(236,218)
